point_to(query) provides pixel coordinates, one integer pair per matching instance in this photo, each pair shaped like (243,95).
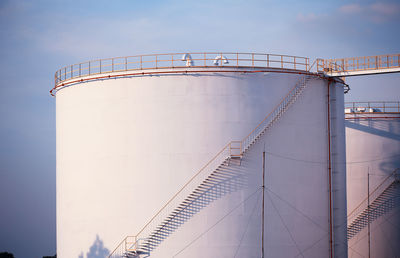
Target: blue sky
(38,37)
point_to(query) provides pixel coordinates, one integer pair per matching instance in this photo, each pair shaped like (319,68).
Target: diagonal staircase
(383,199)
(218,183)
(210,183)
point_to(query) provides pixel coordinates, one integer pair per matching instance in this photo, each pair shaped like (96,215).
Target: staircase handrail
(124,245)
(184,186)
(246,141)
(372,196)
(229,150)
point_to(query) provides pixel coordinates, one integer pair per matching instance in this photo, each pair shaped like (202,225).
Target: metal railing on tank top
(354,64)
(372,107)
(178,60)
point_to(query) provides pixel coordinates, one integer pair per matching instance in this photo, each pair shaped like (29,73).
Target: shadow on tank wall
(228,178)
(97,250)
(378,127)
(381,128)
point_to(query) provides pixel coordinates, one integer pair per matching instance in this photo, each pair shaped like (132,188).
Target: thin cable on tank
(386,220)
(322,162)
(293,207)
(389,157)
(311,246)
(387,238)
(247,226)
(310,219)
(284,224)
(221,219)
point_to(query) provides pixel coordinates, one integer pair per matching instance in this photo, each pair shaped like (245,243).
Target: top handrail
(353,64)
(372,107)
(174,60)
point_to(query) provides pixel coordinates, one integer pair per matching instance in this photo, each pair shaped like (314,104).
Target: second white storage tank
(373,169)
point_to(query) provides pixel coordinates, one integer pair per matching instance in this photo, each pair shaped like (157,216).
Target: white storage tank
(165,155)
(373,169)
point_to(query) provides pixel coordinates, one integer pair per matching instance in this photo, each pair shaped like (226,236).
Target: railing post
(252,59)
(112,65)
(308,68)
(156,61)
(136,242)
(268,60)
(141,63)
(237,59)
(294,61)
(172,61)
(126,63)
(281,61)
(353,64)
(365,64)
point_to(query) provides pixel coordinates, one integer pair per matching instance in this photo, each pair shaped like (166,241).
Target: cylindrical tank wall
(373,147)
(125,146)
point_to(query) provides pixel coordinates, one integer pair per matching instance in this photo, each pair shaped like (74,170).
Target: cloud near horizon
(378,12)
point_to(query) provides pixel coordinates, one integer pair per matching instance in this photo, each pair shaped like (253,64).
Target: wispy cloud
(384,12)
(93,38)
(310,17)
(390,9)
(378,12)
(350,8)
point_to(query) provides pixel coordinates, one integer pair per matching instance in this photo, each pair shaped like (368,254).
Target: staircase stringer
(383,198)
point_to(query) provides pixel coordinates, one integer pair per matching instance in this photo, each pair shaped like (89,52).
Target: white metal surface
(373,146)
(126,145)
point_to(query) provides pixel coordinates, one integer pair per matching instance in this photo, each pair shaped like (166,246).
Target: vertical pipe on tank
(369,221)
(329,173)
(263,200)
(336,170)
